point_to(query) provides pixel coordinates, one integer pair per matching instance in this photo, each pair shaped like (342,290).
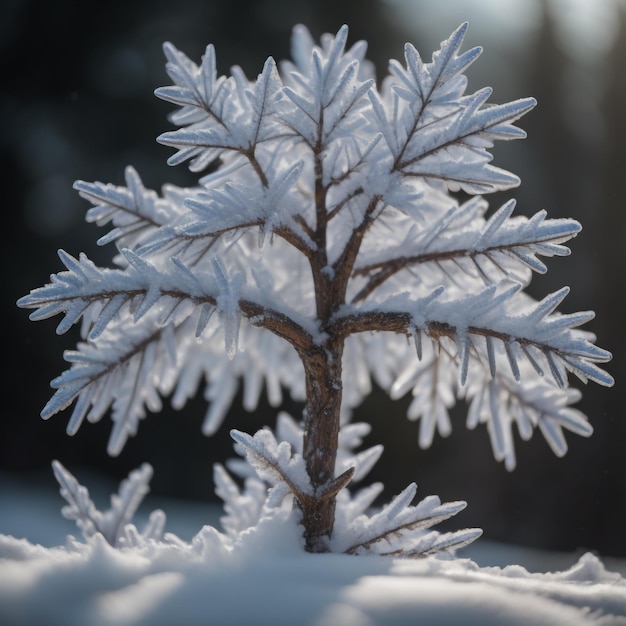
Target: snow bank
(173,582)
(266,578)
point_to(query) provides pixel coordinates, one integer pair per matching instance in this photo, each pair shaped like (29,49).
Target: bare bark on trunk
(321,430)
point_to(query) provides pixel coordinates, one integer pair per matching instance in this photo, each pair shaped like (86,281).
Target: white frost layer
(271,581)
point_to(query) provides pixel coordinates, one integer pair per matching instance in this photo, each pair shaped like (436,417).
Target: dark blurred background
(77,103)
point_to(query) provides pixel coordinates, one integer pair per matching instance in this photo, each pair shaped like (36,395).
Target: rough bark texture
(321,429)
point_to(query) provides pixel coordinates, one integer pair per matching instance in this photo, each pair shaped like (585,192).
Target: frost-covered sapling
(325,247)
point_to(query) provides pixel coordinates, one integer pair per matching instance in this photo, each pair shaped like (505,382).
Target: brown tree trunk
(321,431)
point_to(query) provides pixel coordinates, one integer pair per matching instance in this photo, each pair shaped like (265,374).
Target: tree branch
(386,269)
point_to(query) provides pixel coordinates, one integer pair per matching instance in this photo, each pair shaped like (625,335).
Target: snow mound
(175,582)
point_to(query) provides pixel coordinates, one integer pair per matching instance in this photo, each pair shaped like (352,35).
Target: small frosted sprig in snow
(398,529)
(115,524)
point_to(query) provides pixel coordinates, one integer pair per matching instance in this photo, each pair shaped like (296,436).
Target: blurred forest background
(77,103)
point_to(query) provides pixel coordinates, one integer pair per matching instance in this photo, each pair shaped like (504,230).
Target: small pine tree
(326,245)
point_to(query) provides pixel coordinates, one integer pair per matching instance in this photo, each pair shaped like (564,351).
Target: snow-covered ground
(268,579)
